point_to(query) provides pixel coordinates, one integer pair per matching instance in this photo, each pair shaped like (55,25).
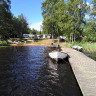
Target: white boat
(58,55)
(79,48)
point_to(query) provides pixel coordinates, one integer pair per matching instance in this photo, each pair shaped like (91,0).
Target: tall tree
(48,12)
(90,28)
(20,26)
(23,25)
(5,18)
(76,13)
(64,17)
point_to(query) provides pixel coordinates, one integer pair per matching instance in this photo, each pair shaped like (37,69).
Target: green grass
(4,43)
(44,42)
(87,46)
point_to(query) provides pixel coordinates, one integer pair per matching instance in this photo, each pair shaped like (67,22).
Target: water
(91,55)
(28,71)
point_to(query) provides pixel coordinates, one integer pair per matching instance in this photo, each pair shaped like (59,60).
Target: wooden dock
(84,69)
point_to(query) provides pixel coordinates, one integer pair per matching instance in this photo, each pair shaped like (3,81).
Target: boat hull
(79,48)
(57,56)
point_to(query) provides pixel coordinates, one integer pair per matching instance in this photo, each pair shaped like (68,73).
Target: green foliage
(3,43)
(23,25)
(90,31)
(87,46)
(20,26)
(11,26)
(50,25)
(93,8)
(63,18)
(90,27)
(5,18)
(33,31)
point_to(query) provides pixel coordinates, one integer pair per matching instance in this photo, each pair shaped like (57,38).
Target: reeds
(87,46)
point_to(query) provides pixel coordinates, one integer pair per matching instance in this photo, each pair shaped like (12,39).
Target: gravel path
(84,69)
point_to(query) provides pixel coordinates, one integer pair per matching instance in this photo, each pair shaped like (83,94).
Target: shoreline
(13,45)
(29,45)
(47,44)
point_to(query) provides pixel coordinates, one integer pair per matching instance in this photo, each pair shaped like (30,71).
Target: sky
(31,9)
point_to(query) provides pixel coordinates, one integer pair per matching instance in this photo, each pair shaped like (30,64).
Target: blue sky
(31,9)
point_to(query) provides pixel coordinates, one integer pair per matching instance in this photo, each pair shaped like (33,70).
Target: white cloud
(88,4)
(36,26)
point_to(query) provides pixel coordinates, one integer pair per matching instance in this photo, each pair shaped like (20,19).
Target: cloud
(36,26)
(88,4)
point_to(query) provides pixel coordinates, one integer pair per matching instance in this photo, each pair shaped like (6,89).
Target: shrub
(3,43)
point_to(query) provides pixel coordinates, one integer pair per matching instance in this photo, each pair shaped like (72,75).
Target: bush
(91,38)
(3,43)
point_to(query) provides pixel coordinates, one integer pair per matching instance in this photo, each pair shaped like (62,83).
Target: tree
(16,27)
(76,13)
(11,26)
(90,31)
(93,8)
(33,31)
(48,12)
(20,26)
(23,25)
(64,17)
(5,18)
(90,28)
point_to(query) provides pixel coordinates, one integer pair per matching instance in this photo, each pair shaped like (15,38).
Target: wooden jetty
(84,69)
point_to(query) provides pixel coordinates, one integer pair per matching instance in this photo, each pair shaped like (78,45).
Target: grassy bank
(17,42)
(41,42)
(87,46)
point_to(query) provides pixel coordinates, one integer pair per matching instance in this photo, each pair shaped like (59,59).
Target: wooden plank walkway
(84,69)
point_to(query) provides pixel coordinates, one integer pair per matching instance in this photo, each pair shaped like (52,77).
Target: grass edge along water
(87,46)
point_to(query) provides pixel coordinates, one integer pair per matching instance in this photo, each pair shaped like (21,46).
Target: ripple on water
(27,71)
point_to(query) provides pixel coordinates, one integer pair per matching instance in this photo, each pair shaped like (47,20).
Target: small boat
(58,55)
(79,48)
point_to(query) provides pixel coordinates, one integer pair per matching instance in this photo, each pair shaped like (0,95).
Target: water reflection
(27,71)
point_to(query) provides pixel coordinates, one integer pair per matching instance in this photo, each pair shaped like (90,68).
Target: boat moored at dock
(58,55)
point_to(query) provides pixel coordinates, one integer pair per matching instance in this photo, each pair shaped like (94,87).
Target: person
(58,48)
(51,45)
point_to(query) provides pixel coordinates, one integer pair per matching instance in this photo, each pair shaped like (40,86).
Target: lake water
(91,55)
(28,71)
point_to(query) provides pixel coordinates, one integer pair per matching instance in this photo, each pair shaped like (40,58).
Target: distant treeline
(67,17)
